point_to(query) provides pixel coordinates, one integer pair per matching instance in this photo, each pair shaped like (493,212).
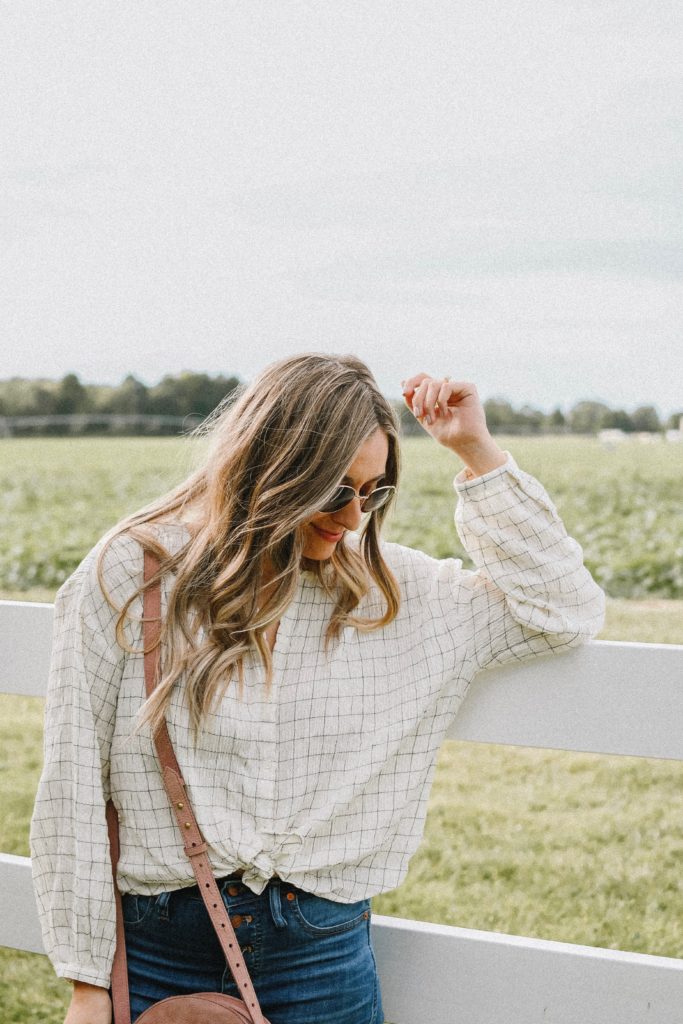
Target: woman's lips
(328,536)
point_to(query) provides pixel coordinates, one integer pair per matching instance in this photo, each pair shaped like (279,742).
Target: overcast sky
(485,190)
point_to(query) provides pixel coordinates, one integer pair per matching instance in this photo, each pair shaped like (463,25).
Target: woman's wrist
(481,457)
(90,1004)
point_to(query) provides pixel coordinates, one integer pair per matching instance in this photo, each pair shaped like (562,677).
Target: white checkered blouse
(326,783)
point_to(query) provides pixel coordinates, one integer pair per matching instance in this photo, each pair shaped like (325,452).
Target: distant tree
(645,418)
(587,417)
(45,399)
(675,420)
(617,419)
(189,394)
(131,397)
(72,397)
(556,422)
(500,416)
(163,397)
(214,390)
(21,397)
(531,418)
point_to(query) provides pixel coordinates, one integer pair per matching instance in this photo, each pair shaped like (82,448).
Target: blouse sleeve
(530,593)
(70,859)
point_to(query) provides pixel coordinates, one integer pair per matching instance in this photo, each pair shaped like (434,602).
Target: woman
(309,675)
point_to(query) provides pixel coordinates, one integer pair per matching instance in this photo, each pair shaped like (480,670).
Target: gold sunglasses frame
(361,497)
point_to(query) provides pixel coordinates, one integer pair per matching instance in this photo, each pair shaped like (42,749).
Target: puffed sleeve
(70,859)
(530,593)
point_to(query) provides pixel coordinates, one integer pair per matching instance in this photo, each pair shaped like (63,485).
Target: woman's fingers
(450,410)
(412,383)
(415,391)
(459,390)
(430,397)
(428,403)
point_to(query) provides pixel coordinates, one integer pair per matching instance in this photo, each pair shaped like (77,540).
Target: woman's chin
(318,550)
(309,560)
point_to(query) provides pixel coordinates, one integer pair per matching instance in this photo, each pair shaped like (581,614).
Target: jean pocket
(135,908)
(320,916)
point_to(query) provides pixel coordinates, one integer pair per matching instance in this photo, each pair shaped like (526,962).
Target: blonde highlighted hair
(278,448)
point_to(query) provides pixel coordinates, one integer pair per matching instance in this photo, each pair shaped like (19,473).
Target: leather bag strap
(119,971)
(193,841)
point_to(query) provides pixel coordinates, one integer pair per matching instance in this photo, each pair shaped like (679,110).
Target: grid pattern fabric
(325,783)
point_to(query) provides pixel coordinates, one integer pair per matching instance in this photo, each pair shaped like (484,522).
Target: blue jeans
(310,959)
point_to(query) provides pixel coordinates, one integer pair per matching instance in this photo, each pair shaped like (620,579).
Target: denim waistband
(271,893)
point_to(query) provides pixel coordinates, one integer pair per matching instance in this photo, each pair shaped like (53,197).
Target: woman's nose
(350,515)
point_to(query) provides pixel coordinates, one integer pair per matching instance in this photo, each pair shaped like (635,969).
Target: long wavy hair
(277,450)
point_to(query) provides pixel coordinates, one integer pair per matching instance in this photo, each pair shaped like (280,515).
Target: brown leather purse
(202,1007)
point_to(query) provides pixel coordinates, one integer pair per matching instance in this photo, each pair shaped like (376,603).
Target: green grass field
(576,847)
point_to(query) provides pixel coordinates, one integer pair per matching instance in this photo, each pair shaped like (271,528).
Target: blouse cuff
(488,483)
(74,972)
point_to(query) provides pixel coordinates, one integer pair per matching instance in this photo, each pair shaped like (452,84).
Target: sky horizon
(486,191)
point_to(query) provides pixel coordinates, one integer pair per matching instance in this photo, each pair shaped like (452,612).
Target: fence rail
(606,697)
(97,422)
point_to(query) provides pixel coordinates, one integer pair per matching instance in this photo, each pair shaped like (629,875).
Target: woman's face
(324,530)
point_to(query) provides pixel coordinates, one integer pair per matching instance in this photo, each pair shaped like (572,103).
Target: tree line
(192,396)
(195,394)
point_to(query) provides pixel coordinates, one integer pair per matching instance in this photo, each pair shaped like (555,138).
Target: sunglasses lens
(377,498)
(342,496)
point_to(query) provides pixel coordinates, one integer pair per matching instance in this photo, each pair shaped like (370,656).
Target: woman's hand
(451,412)
(90,1004)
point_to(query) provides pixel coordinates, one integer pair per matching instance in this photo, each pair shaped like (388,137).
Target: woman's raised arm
(530,592)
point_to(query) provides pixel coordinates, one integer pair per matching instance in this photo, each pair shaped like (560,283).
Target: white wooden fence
(616,698)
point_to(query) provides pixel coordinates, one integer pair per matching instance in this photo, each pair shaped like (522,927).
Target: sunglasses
(368,502)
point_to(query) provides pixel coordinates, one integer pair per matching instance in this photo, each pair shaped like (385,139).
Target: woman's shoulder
(411,566)
(117,560)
